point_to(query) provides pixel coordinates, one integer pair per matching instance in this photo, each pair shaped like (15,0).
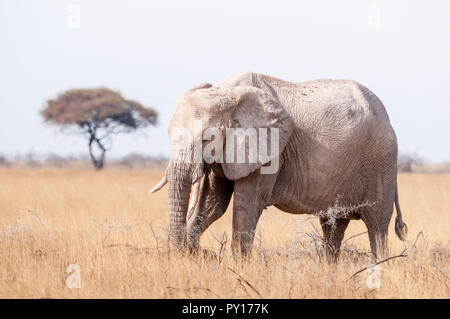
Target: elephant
(336,148)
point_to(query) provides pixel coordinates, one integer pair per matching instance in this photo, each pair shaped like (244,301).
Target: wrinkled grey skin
(336,143)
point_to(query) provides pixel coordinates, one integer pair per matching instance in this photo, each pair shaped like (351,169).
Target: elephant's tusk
(159,185)
(194,199)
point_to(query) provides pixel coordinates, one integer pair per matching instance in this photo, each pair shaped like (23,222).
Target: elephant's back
(337,104)
(331,111)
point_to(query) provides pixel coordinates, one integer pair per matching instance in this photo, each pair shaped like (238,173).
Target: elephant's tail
(400,226)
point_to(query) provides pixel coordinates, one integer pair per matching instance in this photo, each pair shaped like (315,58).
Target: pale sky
(152,51)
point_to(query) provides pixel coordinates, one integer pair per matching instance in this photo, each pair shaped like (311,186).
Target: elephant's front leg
(245,219)
(213,198)
(251,195)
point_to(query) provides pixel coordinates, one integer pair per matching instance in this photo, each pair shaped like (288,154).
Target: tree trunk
(100,161)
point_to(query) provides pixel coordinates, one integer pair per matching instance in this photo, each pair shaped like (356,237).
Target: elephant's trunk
(179,180)
(180,177)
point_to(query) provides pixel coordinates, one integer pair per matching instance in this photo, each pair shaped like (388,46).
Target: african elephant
(336,146)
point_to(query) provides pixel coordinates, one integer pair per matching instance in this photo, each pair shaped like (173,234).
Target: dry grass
(107,224)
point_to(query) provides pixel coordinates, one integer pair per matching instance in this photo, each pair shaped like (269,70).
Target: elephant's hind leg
(378,231)
(378,214)
(333,236)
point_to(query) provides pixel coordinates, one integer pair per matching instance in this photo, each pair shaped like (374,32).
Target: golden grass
(106,223)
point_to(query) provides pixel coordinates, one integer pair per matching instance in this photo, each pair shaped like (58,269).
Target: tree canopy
(99,113)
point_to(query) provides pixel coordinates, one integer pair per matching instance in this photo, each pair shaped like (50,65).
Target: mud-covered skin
(336,144)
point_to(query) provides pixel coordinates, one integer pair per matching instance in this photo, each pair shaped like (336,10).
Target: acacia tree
(98,114)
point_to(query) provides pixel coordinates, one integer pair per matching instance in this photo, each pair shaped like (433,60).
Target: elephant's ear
(253,109)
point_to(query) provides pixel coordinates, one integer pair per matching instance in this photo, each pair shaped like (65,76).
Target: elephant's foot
(333,236)
(242,244)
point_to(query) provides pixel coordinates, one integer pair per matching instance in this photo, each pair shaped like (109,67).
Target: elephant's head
(200,111)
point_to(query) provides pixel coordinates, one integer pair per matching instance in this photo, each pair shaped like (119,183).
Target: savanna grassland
(107,224)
